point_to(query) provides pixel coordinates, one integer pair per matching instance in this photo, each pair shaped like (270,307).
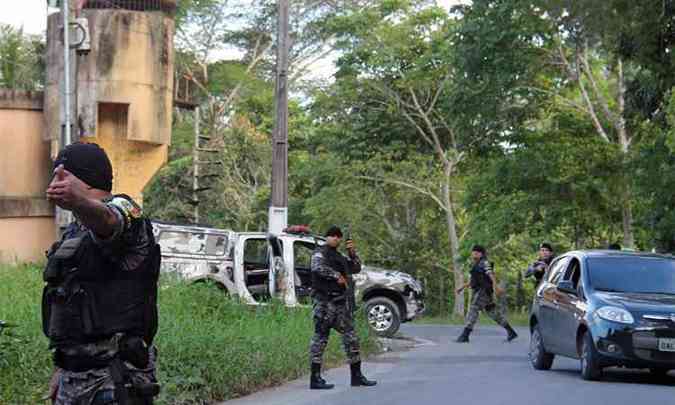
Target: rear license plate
(667,345)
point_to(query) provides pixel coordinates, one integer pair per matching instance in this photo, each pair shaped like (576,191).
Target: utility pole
(278,212)
(195,171)
(65,11)
(63,217)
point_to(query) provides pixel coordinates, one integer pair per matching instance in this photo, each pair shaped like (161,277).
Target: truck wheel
(383,316)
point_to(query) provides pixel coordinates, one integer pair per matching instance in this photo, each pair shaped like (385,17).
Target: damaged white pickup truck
(255,266)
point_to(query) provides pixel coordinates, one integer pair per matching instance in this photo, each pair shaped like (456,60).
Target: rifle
(537,268)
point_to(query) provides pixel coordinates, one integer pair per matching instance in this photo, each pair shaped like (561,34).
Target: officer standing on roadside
(331,275)
(99,305)
(483,284)
(539,267)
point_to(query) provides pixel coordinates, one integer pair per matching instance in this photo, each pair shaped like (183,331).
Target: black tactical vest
(88,297)
(336,262)
(479,277)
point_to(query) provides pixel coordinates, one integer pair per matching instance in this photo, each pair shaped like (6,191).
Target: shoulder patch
(127,206)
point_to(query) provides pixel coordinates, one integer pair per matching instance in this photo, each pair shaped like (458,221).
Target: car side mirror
(566,286)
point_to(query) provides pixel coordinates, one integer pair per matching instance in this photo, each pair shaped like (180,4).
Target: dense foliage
(523,121)
(501,122)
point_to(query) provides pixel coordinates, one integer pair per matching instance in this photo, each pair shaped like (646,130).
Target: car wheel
(539,358)
(590,367)
(383,316)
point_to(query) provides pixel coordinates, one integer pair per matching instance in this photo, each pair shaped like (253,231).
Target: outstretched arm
(70,193)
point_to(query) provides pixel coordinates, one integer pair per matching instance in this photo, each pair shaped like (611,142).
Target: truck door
(282,255)
(302,258)
(195,253)
(251,266)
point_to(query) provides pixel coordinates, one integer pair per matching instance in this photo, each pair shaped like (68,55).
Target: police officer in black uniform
(99,304)
(539,267)
(483,283)
(333,301)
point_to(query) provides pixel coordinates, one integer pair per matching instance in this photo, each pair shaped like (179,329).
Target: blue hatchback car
(606,308)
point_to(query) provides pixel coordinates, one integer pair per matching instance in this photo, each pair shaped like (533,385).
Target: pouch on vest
(60,256)
(64,303)
(68,248)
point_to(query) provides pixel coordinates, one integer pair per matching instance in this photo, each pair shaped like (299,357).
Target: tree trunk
(502,300)
(520,293)
(456,266)
(624,142)
(626,195)
(442,295)
(627,213)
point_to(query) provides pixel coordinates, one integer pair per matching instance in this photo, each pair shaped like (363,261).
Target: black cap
(89,163)
(479,248)
(546,246)
(334,230)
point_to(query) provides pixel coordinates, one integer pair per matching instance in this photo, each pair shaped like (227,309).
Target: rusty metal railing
(166,6)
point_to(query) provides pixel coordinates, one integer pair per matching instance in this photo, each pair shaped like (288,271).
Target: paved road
(486,371)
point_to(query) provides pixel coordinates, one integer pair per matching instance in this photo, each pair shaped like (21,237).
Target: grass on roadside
(211,348)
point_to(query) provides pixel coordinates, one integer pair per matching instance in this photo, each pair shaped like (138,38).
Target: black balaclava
(89,163)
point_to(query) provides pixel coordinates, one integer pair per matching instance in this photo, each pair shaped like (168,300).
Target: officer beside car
(333,306)
(539,267)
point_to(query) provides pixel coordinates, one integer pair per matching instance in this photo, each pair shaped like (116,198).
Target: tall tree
(21,59)
(608,60)
(400,52)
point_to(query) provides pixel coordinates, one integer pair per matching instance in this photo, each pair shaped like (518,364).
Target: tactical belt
(126,391)
(78,364)
(332,296)
(339,299)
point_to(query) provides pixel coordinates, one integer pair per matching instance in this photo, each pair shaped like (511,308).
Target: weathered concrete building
(123,101)
(26,218)
(124,86)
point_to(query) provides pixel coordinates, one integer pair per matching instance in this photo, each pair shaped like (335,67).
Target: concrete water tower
(123,85)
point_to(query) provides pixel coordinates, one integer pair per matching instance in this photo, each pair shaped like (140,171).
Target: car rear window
(632,274)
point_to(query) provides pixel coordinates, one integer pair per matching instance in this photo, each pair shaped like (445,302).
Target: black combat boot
(315,380)
(464,337)
(358,379)
(512,333)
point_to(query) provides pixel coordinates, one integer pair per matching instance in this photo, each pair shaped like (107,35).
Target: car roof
(598,253)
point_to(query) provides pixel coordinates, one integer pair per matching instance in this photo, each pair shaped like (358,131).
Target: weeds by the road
(211,348)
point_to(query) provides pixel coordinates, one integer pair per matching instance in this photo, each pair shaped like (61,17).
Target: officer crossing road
(483,284)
